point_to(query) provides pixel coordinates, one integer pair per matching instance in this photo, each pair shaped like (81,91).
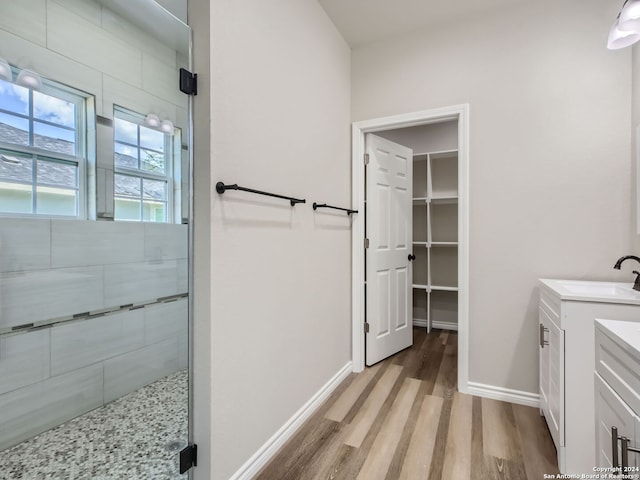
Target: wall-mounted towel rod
(221,188)
(324,205)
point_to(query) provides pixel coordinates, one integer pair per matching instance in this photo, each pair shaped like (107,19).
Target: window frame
(168,177)
(79,159)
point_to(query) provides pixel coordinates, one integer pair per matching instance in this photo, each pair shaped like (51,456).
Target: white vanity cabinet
(567,313)
(617,395)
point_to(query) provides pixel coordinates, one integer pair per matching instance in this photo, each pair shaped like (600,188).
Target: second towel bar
(324,205)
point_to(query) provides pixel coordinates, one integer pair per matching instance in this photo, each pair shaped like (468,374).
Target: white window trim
(83,107)
(168,177)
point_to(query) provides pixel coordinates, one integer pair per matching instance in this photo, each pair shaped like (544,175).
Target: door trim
(359,129)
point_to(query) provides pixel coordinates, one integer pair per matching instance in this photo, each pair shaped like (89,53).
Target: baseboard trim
(271,447)
(419,322)
(503,394)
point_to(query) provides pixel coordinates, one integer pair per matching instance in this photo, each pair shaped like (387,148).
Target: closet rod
(324,205)
(221,188)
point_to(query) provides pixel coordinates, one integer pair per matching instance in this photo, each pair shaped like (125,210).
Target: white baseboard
(419,322)
(271,447)
(503,394)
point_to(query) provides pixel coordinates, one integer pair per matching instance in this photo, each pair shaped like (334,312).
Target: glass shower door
(94,241)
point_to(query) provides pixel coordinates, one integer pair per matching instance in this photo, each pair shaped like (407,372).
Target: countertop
(625,334)
(593,291)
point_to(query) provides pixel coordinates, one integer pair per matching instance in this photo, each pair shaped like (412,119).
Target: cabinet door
(552,376)
(556,382)
(612,411)
(543,349)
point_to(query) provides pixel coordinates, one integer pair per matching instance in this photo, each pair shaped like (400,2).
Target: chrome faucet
(636,284)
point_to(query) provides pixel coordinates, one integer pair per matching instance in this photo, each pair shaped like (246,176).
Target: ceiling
(365,21)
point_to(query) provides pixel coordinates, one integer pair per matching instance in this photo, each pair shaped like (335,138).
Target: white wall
(280,276)
(635,124)
(549,155)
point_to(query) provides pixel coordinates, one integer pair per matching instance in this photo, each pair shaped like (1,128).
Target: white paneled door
(389,230)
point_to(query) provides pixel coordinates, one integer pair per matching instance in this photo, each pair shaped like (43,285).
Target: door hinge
(188,82)
(366,243)
(366,159)
(188,458)
(366,327)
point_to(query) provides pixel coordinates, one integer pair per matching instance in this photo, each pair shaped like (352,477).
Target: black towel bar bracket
(324,205)
(221,188)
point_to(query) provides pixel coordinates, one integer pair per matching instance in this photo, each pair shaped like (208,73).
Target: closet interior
(435,221)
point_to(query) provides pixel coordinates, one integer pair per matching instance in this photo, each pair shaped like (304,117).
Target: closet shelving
(435,239)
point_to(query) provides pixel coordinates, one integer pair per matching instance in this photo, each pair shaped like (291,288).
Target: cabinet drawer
(618,368)
(612,411)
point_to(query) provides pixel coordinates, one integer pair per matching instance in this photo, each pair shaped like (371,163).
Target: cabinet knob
(411,257)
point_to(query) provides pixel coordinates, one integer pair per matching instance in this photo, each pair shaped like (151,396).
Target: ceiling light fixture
(29,79)
(167,127)
(621,38)
(152,120)
(5,71)
(630,16)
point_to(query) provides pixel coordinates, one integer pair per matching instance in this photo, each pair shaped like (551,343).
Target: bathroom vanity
(567,314)
(617,395)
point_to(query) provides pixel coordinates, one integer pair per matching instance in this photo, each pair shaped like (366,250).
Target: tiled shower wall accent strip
(88,315)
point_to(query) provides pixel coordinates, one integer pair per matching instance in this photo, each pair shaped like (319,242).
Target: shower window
(42,150)
(143,166)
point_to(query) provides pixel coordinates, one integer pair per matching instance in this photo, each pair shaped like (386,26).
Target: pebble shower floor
(136,437)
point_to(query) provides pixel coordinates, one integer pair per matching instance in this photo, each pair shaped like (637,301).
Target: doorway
(384,127)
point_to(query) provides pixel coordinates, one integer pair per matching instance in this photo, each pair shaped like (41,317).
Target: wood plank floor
(404,419)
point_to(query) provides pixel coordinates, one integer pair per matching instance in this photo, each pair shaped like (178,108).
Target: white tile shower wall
(78,243)
(183,275)
(85,342)
(88,9)
(140,282)
(131,371)
(102,50)
(24,244)
(35,408)
(24,359)
(101,265)
(134,35)
(33,296)
(165,242)
(119,92)
(158,78)
(26,19)
(165,320)
(183,351)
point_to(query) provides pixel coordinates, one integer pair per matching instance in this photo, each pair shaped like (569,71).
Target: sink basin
(594,291)
(597,288)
